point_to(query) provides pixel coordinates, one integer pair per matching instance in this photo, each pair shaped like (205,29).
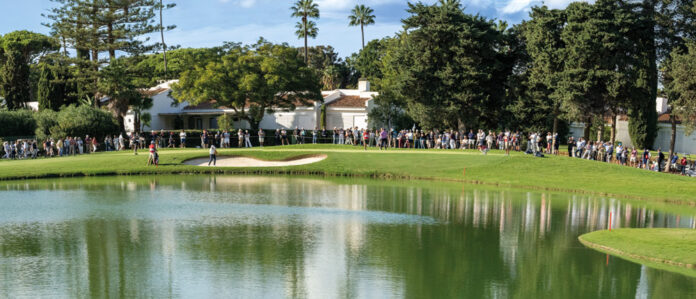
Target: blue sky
(206,23)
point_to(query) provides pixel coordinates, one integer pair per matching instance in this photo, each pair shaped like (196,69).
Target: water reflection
(189,236)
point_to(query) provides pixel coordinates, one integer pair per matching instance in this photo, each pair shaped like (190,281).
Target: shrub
(17,123)
(84,120)
(45,120)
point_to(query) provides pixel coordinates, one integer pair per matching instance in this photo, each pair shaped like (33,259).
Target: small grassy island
(669,249)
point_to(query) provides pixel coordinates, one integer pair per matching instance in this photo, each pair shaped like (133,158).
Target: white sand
(227,161)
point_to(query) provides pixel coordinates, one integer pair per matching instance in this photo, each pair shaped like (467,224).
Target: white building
(344,108)
(684,143)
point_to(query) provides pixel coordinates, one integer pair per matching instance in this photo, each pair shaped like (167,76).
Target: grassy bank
(518,170)
(668,249)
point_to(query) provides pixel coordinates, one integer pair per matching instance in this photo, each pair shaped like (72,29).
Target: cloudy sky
(205,23)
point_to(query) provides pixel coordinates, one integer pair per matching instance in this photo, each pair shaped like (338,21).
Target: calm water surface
(252,237)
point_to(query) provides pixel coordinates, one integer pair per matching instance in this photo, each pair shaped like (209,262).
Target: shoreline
(342,162)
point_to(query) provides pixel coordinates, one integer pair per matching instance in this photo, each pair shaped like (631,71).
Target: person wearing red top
(366,137)
(683,165)
(152,159)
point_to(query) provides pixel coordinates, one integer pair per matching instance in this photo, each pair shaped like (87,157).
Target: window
(213,124)
(199,123)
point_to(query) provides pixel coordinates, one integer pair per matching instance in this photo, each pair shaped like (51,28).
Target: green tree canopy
(449,65)
(252,80)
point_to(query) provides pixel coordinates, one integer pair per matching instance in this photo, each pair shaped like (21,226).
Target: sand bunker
(238,161)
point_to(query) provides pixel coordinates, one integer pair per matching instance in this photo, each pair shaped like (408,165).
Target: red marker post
(610,221)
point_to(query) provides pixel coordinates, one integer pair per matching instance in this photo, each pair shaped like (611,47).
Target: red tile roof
(349,102)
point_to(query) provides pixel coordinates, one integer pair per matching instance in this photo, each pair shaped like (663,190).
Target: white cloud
(515,6)
(332,5)
(246,3)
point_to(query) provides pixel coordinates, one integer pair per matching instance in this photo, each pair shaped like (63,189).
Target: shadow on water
(229,236)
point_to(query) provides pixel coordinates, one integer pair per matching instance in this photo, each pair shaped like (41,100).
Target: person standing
(660,159)
(152,159)
(226,139)
(247,139)
(314,135)
(682,163)
(213,155)
(383,139)
(135,139)
(182,139)
(262,137)
(366,138)
(172,143)
(646,158)
(284,137)
(94,145)
(240,137)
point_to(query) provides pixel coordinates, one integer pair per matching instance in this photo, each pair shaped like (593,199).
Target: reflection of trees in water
(532,236)
(487,243)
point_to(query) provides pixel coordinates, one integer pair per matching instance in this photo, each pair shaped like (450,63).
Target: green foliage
(642,114)
(51,91)
(45,120)
(322,117)
(680,71)
(388,112)
(306,10)
(333,71)
(17,123)
(450,66)
(117,81)
(19,49)
(252,80)
(368,62)
(84,120)
(362,16)
(15,80)
(145,120)
(225,122)
(150,69)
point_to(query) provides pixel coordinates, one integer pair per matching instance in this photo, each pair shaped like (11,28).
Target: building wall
(303,118)
(161,103)
(684,143)
(346,118)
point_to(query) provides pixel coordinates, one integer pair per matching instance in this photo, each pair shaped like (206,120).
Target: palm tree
(306,9)
(363,16)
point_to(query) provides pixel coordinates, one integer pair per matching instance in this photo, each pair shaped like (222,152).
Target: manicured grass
(664,248)
(518,170)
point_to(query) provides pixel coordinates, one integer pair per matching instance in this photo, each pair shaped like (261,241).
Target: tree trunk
(164,46)
(306,50)
(613,128)
(110,41)
(586,131)
(65,46)
(672,141)
(362,30)
(600,131)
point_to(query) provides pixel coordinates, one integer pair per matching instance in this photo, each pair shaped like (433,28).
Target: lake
(271,237)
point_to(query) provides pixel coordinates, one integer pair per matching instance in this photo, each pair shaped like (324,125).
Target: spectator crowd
(533,143)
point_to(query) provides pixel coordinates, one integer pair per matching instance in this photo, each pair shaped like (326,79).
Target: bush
(84,120)
(45,120)
(17,123)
